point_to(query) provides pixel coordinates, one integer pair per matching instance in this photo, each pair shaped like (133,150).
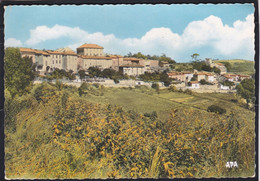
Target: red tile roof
(95,57)
(69,53)
(194,82)
(27,50)
(90,46)
(54,52)
(132,66)
(220,64)
(132,59)
(41,52)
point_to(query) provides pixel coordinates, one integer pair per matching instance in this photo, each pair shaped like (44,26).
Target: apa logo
(231,164)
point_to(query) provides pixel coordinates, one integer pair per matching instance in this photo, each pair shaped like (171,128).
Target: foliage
(239,66)
(163,57)
(93,89)
(188,91)
(69,137)
(107,73)
(246,89)
(156,87)
(82,74)
(195,56)
(203,82)
(156,76)
(228,83)
(18,72)
(172,88)
(60,74)
(44,93)
(227,65)
(216,109)
(216,70)
(194,78)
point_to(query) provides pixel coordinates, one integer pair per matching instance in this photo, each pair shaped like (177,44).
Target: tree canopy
(163,57)
(246,89)
(195,56)
(18,72)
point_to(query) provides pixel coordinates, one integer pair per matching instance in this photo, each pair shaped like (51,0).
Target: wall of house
(28,54)
(100,63)
(56,61)
(71,62)
(134,71)
(93,51)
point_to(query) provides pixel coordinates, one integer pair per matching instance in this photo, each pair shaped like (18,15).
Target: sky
(223,31)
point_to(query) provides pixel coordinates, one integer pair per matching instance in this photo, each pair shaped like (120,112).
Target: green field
(240,66)
(145,100)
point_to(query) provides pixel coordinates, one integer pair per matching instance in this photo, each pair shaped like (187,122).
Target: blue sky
(216,31)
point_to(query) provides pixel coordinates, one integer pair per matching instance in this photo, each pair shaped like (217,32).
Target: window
(59,61)
(56,61)
(52,61)
(56,56)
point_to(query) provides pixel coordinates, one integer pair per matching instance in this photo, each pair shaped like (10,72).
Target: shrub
(188,91)
(234,100)
(83,88)
(180,90)
(96,85)
(203,82)
(216,109)
(172,88)
(44,92)
(156,87)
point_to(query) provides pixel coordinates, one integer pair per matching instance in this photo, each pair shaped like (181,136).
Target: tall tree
(18,72)
(81,74)
(246,89)
(195,56)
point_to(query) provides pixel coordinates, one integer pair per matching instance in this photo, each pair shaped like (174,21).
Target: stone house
(100,62)
(132,70)
(117,60)
(28,52)
(180,76)
(220,66)
(200,76)
(210,77)
(90,50)
(194,85)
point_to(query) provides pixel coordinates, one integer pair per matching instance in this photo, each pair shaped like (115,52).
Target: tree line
(163,57)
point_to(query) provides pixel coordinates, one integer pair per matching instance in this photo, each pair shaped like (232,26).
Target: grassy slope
(32,124)
(240,66)
(143,101)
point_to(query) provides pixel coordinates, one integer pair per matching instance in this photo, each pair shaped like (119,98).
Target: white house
(194,85)
(222,87)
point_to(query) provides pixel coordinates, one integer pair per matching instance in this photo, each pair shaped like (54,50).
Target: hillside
(240,66)
(125,133)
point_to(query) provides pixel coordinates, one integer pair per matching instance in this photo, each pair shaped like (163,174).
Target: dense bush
(188,91)
(216,109)
(203,82)
(172,88)
(44,92)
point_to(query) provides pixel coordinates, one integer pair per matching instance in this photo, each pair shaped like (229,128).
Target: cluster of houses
(193,79)
(89,55)
(92,55)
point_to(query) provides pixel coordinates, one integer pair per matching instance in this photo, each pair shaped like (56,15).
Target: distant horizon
(222,30)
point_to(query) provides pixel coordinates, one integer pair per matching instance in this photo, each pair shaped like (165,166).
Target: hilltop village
(92,55)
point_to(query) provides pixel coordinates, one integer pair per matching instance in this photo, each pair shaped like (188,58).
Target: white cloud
(209,33)
(12,42)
